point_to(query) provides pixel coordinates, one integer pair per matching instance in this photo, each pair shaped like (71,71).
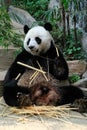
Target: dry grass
(48,111)
(62,113)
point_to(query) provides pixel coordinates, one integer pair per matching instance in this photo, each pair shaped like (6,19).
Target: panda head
(38,39)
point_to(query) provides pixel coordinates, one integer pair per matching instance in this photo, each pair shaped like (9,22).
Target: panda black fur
(48,94)
(38,46)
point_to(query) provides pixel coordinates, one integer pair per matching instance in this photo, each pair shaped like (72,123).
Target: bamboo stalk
(18,76)
(57,52)
(30,67)
(41,69)
(34,77)
(33,74)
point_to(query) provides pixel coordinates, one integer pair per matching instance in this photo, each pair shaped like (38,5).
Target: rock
(84,42)
(84,75)
(81,83)
(53,4)
(21,16)
(2,75)
(77,67)
(17,27)
(6,58)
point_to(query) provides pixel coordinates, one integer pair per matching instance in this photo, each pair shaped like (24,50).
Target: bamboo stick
(57,52)
(33,74)
(30,67)
(34,77)
(41,69)
(18,76)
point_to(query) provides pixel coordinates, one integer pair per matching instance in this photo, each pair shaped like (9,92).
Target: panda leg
(9,95)
(69,94)
(15,96)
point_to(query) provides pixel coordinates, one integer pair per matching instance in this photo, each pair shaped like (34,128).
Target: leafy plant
(35,7)
(73,50)
(7,36)
(74,78)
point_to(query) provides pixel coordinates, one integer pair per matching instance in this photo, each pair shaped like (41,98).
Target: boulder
(53,4)
(77,67)
(6,57)
(84,42)
(84,75)
(82,84)
(20,17)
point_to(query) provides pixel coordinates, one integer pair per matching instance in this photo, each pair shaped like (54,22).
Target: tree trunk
(63,22)
(68,25)
(7,3)
(75,31)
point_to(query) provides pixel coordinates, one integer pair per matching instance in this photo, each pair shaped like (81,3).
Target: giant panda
(39,47)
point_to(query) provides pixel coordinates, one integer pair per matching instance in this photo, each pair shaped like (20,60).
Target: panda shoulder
(23,55)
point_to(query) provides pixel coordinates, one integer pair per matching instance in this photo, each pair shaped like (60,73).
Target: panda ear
(26,29)
(48,26)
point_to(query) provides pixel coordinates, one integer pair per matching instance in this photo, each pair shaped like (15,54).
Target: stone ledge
(2,75)
(6,57)
(77,67)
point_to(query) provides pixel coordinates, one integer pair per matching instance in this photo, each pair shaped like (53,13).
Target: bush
(74,78)
(35,7)
(7,36)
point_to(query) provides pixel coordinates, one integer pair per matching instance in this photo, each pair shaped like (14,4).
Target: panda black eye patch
(28,41)
(38,40)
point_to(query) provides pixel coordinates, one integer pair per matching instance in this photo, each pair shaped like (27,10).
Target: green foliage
(5,27)
(74,78)
(7,36)
(35,7)
(65,3)
(73,50)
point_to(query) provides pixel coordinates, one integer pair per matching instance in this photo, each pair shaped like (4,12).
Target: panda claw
(19,94)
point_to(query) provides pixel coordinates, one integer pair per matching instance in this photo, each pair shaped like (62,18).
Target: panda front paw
(23,99)
(19,94)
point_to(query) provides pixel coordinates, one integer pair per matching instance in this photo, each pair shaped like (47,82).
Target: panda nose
(31,47)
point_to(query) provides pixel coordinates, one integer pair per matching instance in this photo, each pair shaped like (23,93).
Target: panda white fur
(39,46)
(38,40)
